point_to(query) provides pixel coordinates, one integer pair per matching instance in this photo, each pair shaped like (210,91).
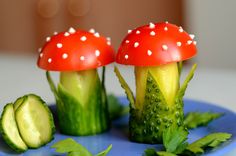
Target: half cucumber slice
(34,120)
(10,131)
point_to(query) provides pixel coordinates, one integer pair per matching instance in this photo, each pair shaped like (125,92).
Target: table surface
(19,75)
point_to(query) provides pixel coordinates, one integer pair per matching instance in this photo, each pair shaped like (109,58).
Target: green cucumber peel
(27,113)
(104,92)
(81,116)
(184,86)
(9,130)
(180,67)
(89,118)
(19,101)
(125,86)
(147,125)
(52,86)
(103,76)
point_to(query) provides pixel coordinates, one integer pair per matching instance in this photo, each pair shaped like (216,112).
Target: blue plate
(118,136)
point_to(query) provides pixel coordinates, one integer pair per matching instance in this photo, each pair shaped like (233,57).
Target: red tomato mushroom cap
(75,50)
(156,44)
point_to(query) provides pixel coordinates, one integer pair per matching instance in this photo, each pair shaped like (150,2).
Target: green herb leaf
(150,152)
(71,147)
(153,152)
(196,119)
(174,139)
(116,109)
(104,153)
(125,86)
(163,153)
(211,140)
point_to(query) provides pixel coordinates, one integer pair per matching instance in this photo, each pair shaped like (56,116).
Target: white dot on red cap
(82,58)
(83,38)
(149,52)
(66,34)
(108,42)
(165,28)
(151,25)
(48,39)
(92,30)
(164,47)
(59,45)
(137,32)
(55,33)
(126,41)
(49,60)
(178,44)
(195,42)
(41,55)
(96,34)
(136,44)
(72,30)
(108,39)
(181,29)
(39,49)
(129,31)
(126,56)
(65,55)
(97,52)
(152,33)
(166,22)
(192,36)
(189,41)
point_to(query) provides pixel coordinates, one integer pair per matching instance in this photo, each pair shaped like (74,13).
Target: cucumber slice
(18,102)
(35,121)
(10,131)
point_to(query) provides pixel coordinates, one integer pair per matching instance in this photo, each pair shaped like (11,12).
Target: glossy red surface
(75,51)
(156,44)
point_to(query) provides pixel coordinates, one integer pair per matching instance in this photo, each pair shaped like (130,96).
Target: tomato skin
(80,50)
(156,44)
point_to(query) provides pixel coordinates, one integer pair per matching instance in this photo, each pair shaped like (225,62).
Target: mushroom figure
(156,51)
(80,96)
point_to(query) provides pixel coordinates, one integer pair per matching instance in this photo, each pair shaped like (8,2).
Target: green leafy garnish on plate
(196,119)
(210,141)
(153,152)
(175,143)
(164,153)
(105,152)
(72,148)
(174,139)
(150,152)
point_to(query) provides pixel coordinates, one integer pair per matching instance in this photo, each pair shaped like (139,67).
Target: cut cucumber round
(18,102)
(10,131)
(35,121)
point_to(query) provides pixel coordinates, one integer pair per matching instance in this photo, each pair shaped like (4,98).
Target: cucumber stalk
(167,77)
(80,84)
(159,101)
(81,103)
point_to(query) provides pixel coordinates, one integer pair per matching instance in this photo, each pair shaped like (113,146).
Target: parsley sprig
(72,148)
(175,145)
